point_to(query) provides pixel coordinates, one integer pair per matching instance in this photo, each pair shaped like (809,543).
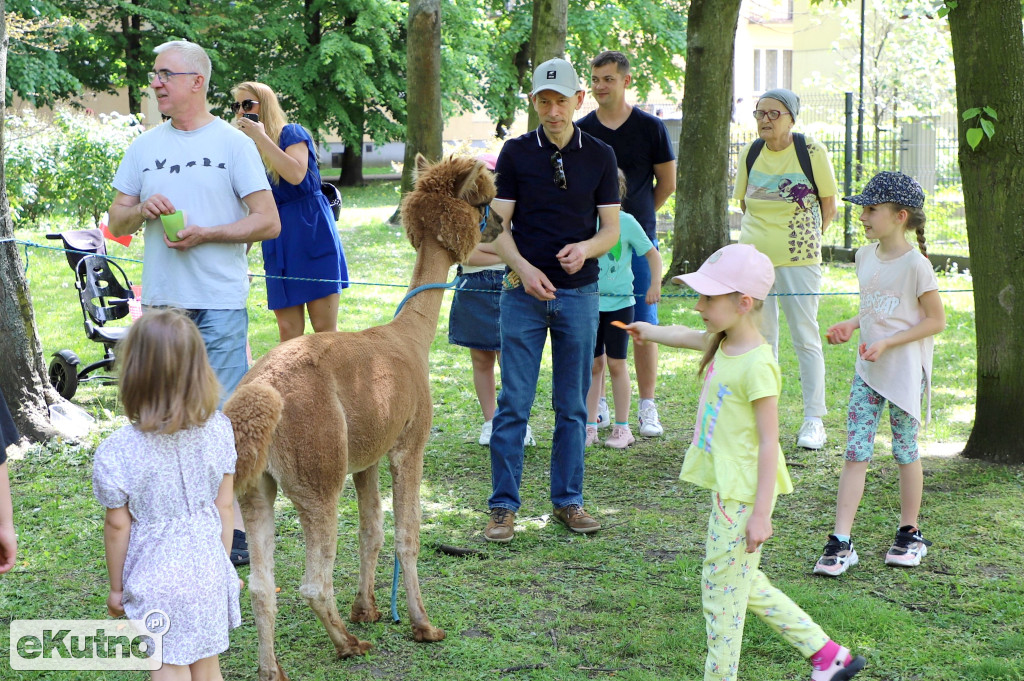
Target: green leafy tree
(908,59)
(337,67)
(652,34)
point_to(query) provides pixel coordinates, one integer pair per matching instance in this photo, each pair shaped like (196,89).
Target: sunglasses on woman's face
(246,105)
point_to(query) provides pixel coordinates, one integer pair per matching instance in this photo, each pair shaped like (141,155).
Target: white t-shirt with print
(889,293)
(205,172)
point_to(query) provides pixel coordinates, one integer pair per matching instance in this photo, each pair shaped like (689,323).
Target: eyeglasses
(246,105)
(164,75)
(556,163)
(772,115)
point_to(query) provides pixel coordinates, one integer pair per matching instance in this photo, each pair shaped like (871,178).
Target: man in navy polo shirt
(644,152)
(553,182)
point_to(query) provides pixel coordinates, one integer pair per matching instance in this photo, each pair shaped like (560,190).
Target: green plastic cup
(173,223)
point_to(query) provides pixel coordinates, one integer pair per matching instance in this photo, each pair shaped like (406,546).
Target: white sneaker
(650,426)
(812,434)
(485,433)
(528,441)
(604,418)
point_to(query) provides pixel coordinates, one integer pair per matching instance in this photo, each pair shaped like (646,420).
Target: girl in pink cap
(736,454)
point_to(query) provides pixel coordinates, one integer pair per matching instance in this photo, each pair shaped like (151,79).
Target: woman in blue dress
(305,265)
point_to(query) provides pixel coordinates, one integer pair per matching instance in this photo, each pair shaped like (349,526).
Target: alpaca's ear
(467,186)
(421,163)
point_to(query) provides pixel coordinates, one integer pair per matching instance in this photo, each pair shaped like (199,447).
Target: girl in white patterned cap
(736,454)
(900,311)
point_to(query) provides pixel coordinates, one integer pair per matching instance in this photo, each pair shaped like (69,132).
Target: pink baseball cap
(732,268)
(488,159)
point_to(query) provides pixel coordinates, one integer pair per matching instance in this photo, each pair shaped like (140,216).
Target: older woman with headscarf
(787,190)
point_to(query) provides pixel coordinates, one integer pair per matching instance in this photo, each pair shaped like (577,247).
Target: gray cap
(789,98)
(558,75)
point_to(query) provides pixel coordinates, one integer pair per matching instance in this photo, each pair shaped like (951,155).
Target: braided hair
(916,220)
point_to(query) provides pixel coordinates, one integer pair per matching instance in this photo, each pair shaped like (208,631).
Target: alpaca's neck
(417,321)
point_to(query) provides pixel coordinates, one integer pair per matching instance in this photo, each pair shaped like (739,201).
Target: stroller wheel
(64,373)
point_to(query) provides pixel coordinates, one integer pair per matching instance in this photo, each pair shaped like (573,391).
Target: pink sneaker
(591,435)
(841,668)
(621,437)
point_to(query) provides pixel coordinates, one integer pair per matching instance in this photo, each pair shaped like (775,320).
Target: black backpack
(801,154)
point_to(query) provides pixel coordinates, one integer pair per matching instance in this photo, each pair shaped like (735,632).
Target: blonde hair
(271,116)
(166,383)
(714,340)
(916,220)
(623,187)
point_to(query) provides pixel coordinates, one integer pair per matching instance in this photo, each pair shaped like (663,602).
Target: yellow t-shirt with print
(783,215)
(724,452)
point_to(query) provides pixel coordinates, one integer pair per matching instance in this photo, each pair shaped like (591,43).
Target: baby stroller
(103,293)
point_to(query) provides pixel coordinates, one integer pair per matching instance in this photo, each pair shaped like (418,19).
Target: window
(772,69)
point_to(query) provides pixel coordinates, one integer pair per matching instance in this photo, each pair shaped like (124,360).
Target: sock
(816,419)
(592,424)
(842,537)
(622,423)
(645,402)
(824,658)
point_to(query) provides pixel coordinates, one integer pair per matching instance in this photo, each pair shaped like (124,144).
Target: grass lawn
(623,603)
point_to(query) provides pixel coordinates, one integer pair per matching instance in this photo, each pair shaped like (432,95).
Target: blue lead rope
(398,567)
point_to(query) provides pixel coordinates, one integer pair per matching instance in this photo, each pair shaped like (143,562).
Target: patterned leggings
(862,420)
(733,583)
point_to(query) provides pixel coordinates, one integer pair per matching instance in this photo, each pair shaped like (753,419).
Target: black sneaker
(239,549)
(836,558)
(908,548)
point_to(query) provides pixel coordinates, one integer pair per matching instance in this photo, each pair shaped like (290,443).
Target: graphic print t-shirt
(889,303)
(724,452)
(783,215)
(617,264)
(205,172)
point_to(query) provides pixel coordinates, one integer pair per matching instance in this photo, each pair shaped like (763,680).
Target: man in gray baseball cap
(553,183)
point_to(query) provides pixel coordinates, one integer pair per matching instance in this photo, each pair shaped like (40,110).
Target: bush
(64,166)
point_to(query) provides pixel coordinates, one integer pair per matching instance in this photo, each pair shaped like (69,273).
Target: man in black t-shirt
(644,153)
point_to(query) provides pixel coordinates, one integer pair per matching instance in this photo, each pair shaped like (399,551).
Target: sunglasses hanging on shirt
(556,163)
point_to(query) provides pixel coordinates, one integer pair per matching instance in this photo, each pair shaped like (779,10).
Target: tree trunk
(423,77)
(988,57)
(701,221)
(351,166)
(547,41)
(135,66)
(23,377)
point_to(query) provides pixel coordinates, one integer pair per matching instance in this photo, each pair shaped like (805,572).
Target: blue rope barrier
(685,294)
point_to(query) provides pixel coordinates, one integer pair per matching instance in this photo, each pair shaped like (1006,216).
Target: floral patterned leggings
(862,421)
(732,583)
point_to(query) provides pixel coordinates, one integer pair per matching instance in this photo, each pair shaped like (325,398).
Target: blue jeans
(525,321)
(642,312)
(224,333)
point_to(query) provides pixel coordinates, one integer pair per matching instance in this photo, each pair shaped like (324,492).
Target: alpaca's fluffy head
(447,203)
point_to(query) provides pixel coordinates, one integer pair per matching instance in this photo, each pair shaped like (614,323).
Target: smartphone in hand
(255,118)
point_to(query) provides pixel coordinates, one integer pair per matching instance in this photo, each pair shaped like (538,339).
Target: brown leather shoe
(576,519)
(502,527)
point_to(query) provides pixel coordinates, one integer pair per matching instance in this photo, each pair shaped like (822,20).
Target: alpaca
(319,407)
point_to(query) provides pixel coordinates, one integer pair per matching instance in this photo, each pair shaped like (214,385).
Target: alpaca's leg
(406,477)
(319,518)
(371,537)
(258,513)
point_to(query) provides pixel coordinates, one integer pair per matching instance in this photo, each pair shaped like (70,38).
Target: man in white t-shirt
(202,165)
